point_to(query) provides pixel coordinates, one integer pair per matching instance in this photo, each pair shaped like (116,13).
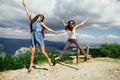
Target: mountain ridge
(10,45)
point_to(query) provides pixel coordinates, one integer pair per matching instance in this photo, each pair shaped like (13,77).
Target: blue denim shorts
(37,39)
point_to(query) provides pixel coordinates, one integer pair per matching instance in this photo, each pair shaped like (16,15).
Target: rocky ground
(101,69)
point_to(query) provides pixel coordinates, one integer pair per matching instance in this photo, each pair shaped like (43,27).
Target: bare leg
(32,51)
(42,49)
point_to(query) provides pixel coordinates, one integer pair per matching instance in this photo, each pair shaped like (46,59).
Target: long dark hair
(68,26)
(33,20)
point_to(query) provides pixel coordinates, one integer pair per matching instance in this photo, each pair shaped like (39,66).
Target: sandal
(88,58)
(30,69)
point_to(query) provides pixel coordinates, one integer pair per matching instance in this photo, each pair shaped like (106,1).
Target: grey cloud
(11,15)
(96,10)
(70,9)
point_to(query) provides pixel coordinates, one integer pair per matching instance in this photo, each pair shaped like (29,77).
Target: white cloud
(100,12)
(14,33)
(61,37)
(41,7)
(103,15)
(110,36)
(83,38)
(95,25)
(113,36)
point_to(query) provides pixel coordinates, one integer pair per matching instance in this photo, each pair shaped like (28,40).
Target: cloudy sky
(103,24)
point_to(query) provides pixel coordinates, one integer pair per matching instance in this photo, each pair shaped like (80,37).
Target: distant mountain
(9,45)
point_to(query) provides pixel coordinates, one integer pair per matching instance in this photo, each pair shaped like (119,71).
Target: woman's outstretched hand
(55,32)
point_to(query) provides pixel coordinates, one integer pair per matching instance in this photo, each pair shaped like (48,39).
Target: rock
(2,48)
(22,51)
(2,54)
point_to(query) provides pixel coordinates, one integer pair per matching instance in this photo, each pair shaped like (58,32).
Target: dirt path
(96,70)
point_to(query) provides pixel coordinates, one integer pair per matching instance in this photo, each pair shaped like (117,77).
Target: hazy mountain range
(9,45)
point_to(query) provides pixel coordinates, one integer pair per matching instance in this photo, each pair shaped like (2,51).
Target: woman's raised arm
(82,23)
(64,23)
(27,11)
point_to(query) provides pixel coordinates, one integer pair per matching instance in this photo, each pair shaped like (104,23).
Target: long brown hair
(68,26)
(33,20)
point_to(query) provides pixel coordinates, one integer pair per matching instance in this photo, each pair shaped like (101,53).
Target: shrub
(11,63)
(95,52)
(110,50)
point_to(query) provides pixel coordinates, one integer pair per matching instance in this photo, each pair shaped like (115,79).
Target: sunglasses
(71,22)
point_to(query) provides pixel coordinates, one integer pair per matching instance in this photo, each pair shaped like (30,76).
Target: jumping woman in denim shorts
(37,26)
(70,29)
